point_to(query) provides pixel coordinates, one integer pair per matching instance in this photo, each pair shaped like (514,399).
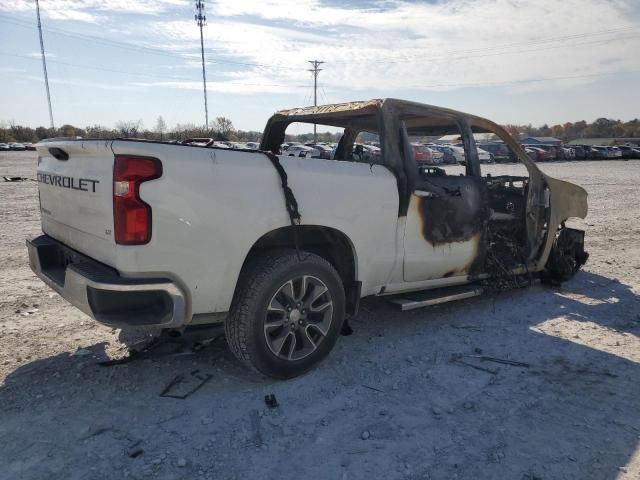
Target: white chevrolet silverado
(281,249)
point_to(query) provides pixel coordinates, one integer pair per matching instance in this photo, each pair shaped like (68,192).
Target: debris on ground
(16,179)
(271,401)
(182,386)
(166,345)
(499,360)
(373,388)
(135,450)
(457,358)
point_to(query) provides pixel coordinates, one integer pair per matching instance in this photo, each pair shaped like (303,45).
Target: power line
(44,64)
(147,75)
(315,70)
(550,47)
(201,20)
(541,41)
(324,94)
(422,86)
(531,80)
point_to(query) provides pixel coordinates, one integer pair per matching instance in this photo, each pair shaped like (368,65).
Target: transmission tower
(315,70)
(44,64)
(201,20)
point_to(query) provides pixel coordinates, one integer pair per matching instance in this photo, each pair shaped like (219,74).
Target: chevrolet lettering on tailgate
(68,182)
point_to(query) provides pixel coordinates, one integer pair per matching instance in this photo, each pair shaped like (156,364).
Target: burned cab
(457,224)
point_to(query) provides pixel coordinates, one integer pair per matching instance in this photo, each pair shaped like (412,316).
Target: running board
(435,297)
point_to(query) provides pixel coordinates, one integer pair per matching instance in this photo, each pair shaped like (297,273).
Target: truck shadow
(406,394)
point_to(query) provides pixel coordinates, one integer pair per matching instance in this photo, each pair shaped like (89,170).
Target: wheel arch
(331,244)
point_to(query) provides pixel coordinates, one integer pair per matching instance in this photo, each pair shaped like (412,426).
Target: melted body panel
(444,229)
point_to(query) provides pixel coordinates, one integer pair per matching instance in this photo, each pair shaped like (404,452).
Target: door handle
(423,194)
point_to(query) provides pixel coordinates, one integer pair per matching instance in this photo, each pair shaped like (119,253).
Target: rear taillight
(132,216)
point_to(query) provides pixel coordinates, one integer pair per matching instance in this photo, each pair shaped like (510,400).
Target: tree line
(601,128)
(223,129)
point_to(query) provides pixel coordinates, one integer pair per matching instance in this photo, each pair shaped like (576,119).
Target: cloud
(381,47)
(89,10)
(422,46)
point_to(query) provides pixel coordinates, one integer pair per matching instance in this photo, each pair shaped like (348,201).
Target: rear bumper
(100,292)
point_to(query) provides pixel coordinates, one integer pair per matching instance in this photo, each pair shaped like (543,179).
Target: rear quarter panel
(211,206)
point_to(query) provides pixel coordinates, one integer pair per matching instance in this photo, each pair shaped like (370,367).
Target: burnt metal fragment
(271,401)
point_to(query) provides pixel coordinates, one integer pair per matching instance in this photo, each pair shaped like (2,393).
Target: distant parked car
(4,147)
(252,145)
(18,147)
(538,149)
(615,152)
(424,155)
(596,153)
(569,153)
(364,153)
(627,151)
(579,152)
(603,152)
(501,153)
(484,156)
(537,154)
(555,152)
(531,153)
(552,151)
(29,146)
(302,151)
(449,156)
(458,153)
(325,151)
(373,152)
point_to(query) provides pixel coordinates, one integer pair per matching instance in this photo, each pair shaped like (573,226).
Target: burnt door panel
(445,227)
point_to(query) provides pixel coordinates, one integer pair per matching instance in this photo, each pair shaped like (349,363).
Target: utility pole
(201,20)
(315,70)
(44,64)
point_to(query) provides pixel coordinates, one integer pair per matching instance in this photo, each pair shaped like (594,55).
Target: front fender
(566,200)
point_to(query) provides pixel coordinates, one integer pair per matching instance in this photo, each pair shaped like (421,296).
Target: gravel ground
(388,403)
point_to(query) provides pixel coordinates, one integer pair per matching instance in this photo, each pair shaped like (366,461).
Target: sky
(513,61)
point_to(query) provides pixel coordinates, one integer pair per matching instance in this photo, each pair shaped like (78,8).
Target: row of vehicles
(16,147)
(494,152)
(542,153)
(429,153)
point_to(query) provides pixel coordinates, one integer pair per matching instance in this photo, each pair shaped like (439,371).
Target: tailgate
(76,195)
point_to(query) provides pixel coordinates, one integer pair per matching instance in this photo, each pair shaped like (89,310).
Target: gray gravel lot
(389,402)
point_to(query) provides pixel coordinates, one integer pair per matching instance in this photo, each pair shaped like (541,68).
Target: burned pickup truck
(281,249)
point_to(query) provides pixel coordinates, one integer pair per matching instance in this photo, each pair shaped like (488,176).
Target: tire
(566,257)
(272,334)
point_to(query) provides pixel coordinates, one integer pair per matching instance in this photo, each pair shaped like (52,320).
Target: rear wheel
(287,313)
